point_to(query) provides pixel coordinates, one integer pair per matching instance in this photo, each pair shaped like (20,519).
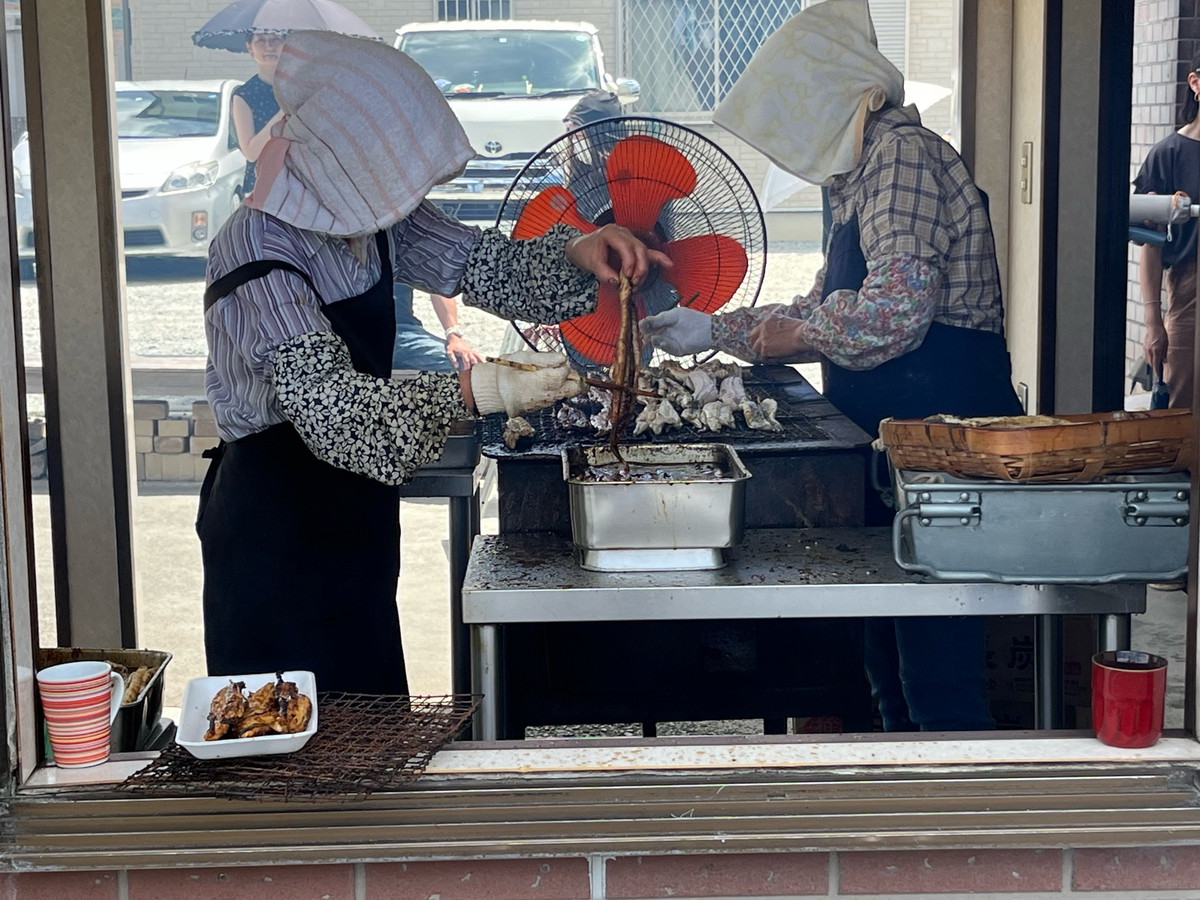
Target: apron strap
(228,283)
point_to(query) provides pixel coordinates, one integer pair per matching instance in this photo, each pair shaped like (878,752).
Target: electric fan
(669,185)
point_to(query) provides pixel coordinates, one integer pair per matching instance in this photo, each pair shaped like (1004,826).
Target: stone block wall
(169,446)
(168,443)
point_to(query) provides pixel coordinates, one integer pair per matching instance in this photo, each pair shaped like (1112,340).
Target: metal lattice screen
(687,53)
(463,10)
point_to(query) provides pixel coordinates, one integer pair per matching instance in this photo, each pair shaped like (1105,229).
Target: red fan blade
(643,174)
(546,209)
(709,267)
(595,334)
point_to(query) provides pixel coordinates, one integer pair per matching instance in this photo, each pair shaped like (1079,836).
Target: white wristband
(454,329)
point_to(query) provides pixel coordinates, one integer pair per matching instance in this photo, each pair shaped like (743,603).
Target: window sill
(657,796)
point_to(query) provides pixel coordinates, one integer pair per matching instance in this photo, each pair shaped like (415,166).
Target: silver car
(180,167)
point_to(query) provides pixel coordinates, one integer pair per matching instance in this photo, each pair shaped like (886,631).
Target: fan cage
(722,203)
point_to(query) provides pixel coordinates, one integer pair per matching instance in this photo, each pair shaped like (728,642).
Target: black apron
(962,371)
(301,559)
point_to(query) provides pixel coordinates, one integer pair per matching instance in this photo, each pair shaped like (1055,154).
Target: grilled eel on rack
(226,711)
(277,707)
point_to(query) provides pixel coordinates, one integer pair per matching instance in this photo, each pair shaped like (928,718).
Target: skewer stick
(512,364)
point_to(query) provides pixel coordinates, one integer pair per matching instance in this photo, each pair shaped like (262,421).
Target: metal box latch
(1156,507)
(948,507)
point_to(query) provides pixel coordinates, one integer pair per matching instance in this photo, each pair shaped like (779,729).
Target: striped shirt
(927,239)
(272,355)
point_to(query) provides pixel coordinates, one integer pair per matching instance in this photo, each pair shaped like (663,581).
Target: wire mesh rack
(551,435)
(366,743)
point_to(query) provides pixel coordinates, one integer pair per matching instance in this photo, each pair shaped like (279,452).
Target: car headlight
(190,177)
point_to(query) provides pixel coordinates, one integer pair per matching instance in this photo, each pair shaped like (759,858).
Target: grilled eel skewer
(624,369)
(226,711)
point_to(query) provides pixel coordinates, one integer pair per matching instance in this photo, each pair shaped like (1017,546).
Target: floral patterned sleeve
(383,429)
(884,319)
(731,330)
(529,279)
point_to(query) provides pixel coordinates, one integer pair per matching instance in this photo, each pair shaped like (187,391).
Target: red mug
(1128,696)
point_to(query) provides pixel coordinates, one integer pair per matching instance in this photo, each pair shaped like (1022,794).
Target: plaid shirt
(927,239)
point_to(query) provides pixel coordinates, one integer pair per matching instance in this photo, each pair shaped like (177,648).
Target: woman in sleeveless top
(255,108)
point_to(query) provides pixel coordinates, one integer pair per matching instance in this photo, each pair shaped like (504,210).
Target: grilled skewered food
(277,707)
(226,711)
(624,368)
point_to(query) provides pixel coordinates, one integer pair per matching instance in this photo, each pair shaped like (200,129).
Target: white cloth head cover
(804,97)
(366,135)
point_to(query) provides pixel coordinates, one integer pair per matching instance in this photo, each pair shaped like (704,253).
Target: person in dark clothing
(299,511)
(1173,164)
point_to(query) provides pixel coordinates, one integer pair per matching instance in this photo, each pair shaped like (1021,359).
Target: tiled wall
(1100,873)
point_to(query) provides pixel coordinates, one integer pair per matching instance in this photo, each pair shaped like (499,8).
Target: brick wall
(1102,873)
(1166,37)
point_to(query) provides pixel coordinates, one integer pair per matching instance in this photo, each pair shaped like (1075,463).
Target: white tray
(197,701)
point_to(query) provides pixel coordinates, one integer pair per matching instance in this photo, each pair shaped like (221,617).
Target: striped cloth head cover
(365,135)
(804,97)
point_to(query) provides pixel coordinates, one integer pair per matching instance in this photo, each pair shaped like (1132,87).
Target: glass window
(505,61)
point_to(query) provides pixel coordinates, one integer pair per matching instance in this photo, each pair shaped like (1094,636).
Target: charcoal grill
(802,425)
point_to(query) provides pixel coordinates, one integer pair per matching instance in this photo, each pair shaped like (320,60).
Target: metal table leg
(1048,674)
(1114,631)
(464,526)
(485,680)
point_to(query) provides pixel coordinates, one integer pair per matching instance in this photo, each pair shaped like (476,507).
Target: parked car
(180,167)
(510,83)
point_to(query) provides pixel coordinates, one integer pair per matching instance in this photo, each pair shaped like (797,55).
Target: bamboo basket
(1089,446)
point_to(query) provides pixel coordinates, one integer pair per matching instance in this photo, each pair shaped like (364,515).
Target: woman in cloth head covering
(905,315)
(298,517)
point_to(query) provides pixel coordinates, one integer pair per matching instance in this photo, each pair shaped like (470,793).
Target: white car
(180,167)
(510,83)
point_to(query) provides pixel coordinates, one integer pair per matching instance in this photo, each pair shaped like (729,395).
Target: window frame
(672,768)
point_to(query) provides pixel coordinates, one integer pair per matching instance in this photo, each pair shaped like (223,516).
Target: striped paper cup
(80,701)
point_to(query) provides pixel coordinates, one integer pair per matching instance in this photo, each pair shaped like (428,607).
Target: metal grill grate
(550,436)
(365,743)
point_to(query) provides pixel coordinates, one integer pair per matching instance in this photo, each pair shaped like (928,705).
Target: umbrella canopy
(232,26)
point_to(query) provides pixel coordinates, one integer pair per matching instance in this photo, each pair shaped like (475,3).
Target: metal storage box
(1121,528)
(682,523)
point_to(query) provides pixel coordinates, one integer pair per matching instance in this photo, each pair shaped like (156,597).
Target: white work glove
(500,388)
(679,331)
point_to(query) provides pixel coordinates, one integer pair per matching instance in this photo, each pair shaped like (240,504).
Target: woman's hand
(778,338)
(461,353)
(612,251)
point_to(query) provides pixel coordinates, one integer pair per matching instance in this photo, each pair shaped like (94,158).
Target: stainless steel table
(774,573)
